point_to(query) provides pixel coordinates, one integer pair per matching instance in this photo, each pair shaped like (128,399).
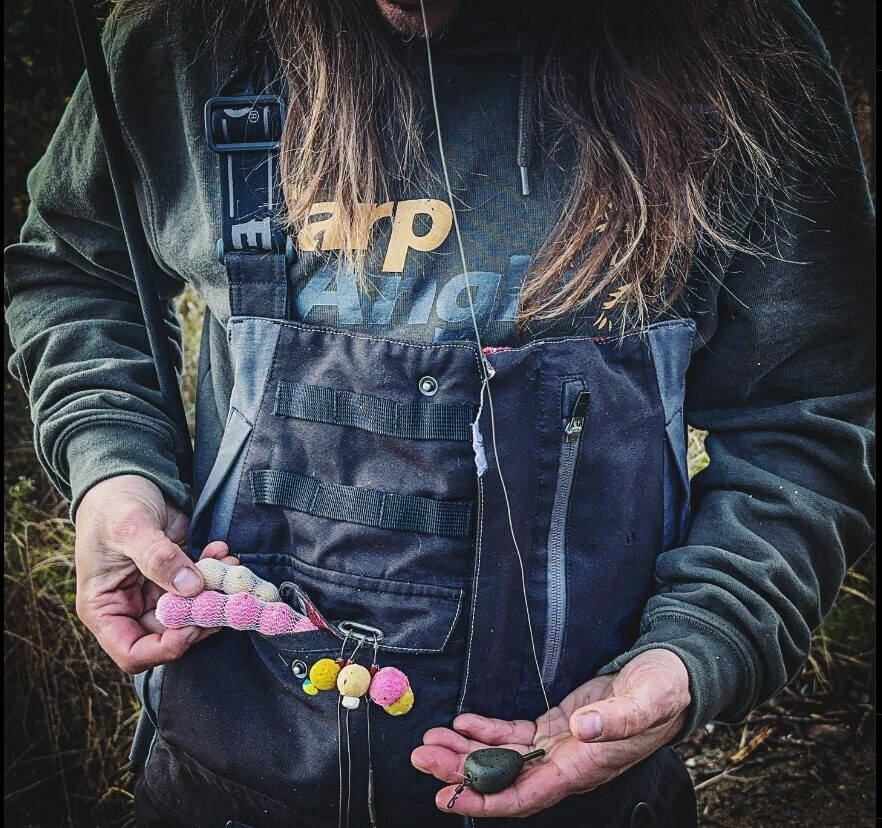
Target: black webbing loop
(379,415)
(143,264)
(367,507)
(258,284)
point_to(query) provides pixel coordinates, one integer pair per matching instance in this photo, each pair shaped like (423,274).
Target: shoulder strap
(143,264)
(244,127)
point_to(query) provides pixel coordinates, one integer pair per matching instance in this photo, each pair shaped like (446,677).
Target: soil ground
(812,769)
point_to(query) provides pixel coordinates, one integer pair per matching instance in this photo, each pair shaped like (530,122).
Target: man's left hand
(598,731)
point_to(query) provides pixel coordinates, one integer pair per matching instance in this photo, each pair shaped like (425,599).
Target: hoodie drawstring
(526,116)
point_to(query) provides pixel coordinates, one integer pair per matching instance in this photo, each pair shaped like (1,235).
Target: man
(558,563)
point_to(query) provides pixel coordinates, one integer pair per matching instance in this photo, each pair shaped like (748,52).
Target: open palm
(598,731)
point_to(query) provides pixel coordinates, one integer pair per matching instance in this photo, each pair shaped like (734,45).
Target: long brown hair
(677,108)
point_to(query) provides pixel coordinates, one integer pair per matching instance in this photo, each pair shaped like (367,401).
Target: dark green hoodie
(781,377)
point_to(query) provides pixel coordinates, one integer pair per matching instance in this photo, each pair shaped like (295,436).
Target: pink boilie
(276,619)
(208,609)
(243,611)
(173,610)
(388,685)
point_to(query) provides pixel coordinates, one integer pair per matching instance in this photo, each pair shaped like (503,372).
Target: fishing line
(340,766)
(347,730)
(486,368)
(340,747)
(348,766)
(372,808)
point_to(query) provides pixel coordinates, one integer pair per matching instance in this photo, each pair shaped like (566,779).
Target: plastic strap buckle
(244,123)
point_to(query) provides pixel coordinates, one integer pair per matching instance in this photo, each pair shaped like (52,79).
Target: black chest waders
(349,475)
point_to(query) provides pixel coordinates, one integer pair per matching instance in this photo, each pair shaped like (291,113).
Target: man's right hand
(128,552)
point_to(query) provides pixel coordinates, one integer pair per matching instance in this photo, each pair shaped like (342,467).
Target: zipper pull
(573,428)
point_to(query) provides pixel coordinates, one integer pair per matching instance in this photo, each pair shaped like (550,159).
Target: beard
(406,16)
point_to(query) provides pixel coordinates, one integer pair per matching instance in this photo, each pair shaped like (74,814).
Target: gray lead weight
(492,770)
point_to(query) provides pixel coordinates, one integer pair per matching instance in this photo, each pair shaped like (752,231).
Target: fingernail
(187,581)
(194,635)
(589,726)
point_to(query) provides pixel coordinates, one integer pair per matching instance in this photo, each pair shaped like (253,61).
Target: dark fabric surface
(178,793)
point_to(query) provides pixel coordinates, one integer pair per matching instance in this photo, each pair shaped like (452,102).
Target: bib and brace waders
(347,475)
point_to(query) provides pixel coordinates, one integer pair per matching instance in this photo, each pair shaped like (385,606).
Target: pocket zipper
(573,429)
(556,576)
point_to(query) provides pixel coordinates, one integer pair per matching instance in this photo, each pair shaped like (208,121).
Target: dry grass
(69,713)
(191,308)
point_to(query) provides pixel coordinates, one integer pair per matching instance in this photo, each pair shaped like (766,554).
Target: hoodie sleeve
(79,342)
(784,387)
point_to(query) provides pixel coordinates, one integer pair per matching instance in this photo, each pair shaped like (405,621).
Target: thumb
(163,562)
(653,700)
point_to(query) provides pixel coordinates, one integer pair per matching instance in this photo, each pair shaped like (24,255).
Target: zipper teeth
(557,564)
(556,553)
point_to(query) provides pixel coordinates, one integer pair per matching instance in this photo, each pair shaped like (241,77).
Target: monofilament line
(485,368)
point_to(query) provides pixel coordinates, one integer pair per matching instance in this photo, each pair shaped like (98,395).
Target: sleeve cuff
(101,451)
(722,673)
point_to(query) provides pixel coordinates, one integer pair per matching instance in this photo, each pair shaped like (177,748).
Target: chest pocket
(595,458)
(358,480)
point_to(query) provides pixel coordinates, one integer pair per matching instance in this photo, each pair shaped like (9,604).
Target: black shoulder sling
(143,264)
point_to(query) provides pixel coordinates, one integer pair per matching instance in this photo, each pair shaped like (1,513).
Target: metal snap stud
(299,669)
(428,386)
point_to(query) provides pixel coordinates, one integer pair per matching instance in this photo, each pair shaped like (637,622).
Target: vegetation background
(804,759)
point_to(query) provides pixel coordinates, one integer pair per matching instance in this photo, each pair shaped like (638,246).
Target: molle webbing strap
(379,415)
(368,507)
